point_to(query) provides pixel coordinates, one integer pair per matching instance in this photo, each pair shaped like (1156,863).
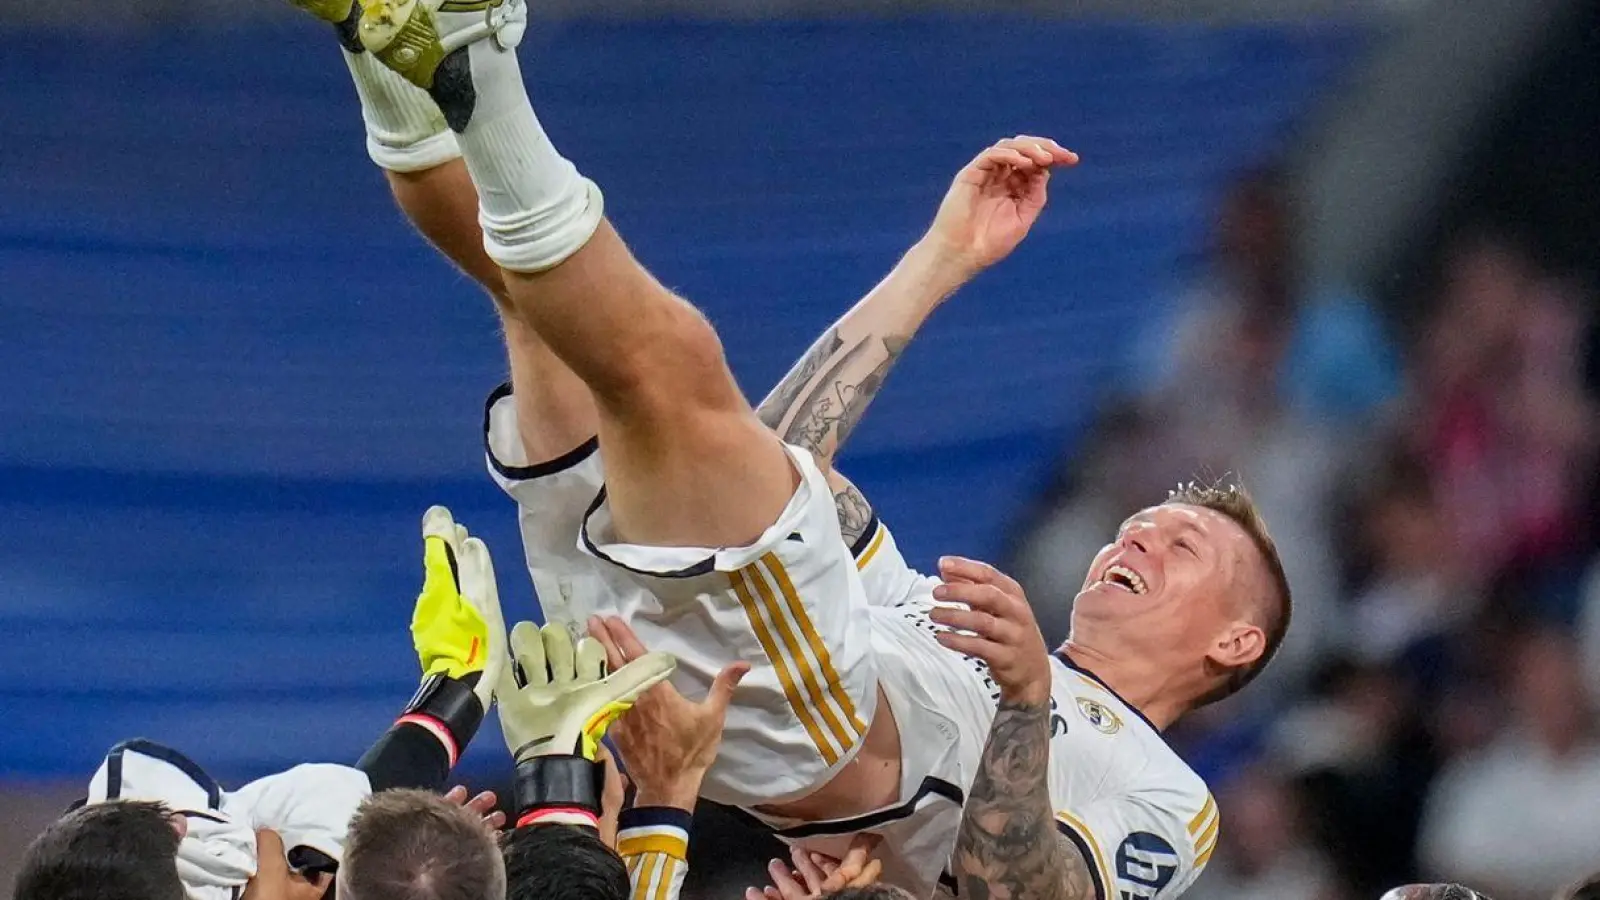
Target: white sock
(405,130)
(535,208)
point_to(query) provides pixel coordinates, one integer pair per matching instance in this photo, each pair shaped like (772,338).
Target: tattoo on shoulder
(1008,847)
(777,406)
(855,513)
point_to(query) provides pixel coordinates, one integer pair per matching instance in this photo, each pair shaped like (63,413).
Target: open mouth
(1121,576)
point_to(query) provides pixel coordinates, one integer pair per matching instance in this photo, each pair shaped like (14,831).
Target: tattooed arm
(1008,847)
(823,397)
(988,210)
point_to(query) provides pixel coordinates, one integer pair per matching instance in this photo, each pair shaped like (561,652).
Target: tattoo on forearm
(820,417)
(775,409)
(855,513)
(1008,847)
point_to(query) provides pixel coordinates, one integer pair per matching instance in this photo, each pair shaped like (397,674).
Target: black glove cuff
(452,703)
(559,782)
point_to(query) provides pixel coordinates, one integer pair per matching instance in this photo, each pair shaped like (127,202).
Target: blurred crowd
(1431,479)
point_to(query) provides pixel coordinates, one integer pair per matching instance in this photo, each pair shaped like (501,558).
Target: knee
(680,366)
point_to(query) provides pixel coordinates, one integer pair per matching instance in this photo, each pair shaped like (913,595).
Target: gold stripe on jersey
(1076,824)
(669,874)
(808,677)
(666,844)
(641,882)
(1198,822)
(752,611)
(1201,860)
(830,675)
(872,548)
(1208,839)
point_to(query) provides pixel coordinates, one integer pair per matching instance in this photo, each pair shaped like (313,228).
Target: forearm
(424,743)
(823,397)
(1008,845)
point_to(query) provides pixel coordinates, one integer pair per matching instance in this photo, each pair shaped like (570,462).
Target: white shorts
(791,604)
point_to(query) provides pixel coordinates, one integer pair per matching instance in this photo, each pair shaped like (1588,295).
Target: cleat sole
(403,35)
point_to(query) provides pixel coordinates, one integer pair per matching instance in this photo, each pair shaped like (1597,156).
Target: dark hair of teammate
(1433,892)
(870,892)
(125,850)
(1587,889)
(416,845)
(563,862)
(1271,611)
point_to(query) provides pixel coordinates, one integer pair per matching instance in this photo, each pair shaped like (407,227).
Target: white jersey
(1144,820)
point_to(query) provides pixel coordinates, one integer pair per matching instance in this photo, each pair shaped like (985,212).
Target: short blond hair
(1233,501)
(414,845)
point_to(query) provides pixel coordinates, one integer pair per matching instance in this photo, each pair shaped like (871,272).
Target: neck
(1158,697)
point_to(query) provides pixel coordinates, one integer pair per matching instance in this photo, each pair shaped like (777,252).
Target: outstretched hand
(996,198)
(997,626)
(667,742)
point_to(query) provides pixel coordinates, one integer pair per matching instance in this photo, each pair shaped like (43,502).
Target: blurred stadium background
(1345,250)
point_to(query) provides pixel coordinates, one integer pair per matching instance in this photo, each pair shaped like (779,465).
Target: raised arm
(988,210)
(1008,846)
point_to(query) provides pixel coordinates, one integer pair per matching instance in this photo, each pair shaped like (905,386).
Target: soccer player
(855,716)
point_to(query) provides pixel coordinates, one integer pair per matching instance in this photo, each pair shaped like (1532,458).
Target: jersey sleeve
(654,843)
(1145,844)
(886,577)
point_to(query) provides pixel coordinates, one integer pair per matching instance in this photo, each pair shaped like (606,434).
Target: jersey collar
(1068,662)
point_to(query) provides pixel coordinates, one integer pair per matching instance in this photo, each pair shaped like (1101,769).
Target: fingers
(958,568)
(996,157)
(724,686)
(869,875)
(632,648)
(591,660)
(527,648)
(785,882)
(807,869)
(456,795)
(483,804)
(597,630)
(981,597)
(970,645)
(638,676)
(559,654)
(1024,153)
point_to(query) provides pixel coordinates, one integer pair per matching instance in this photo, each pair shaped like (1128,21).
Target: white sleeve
(654,843)
(1143,844)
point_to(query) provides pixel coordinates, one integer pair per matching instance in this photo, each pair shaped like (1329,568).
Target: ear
(1242,644)
(180,824)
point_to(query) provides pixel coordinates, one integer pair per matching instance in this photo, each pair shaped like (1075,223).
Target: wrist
(942,266)
(681,793)
(1032,693)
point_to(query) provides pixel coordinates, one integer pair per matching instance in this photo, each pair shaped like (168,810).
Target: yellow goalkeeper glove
(561,701)
(457,627)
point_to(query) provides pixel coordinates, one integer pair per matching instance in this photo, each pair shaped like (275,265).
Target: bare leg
(687,461)
(555,411)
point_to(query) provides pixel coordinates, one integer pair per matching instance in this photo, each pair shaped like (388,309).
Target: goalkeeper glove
(458,631)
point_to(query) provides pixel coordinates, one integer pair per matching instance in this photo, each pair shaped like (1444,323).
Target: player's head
(1194,587)
(124,850)
(1433,892)
(870,892)
(414,845)
(563,862)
